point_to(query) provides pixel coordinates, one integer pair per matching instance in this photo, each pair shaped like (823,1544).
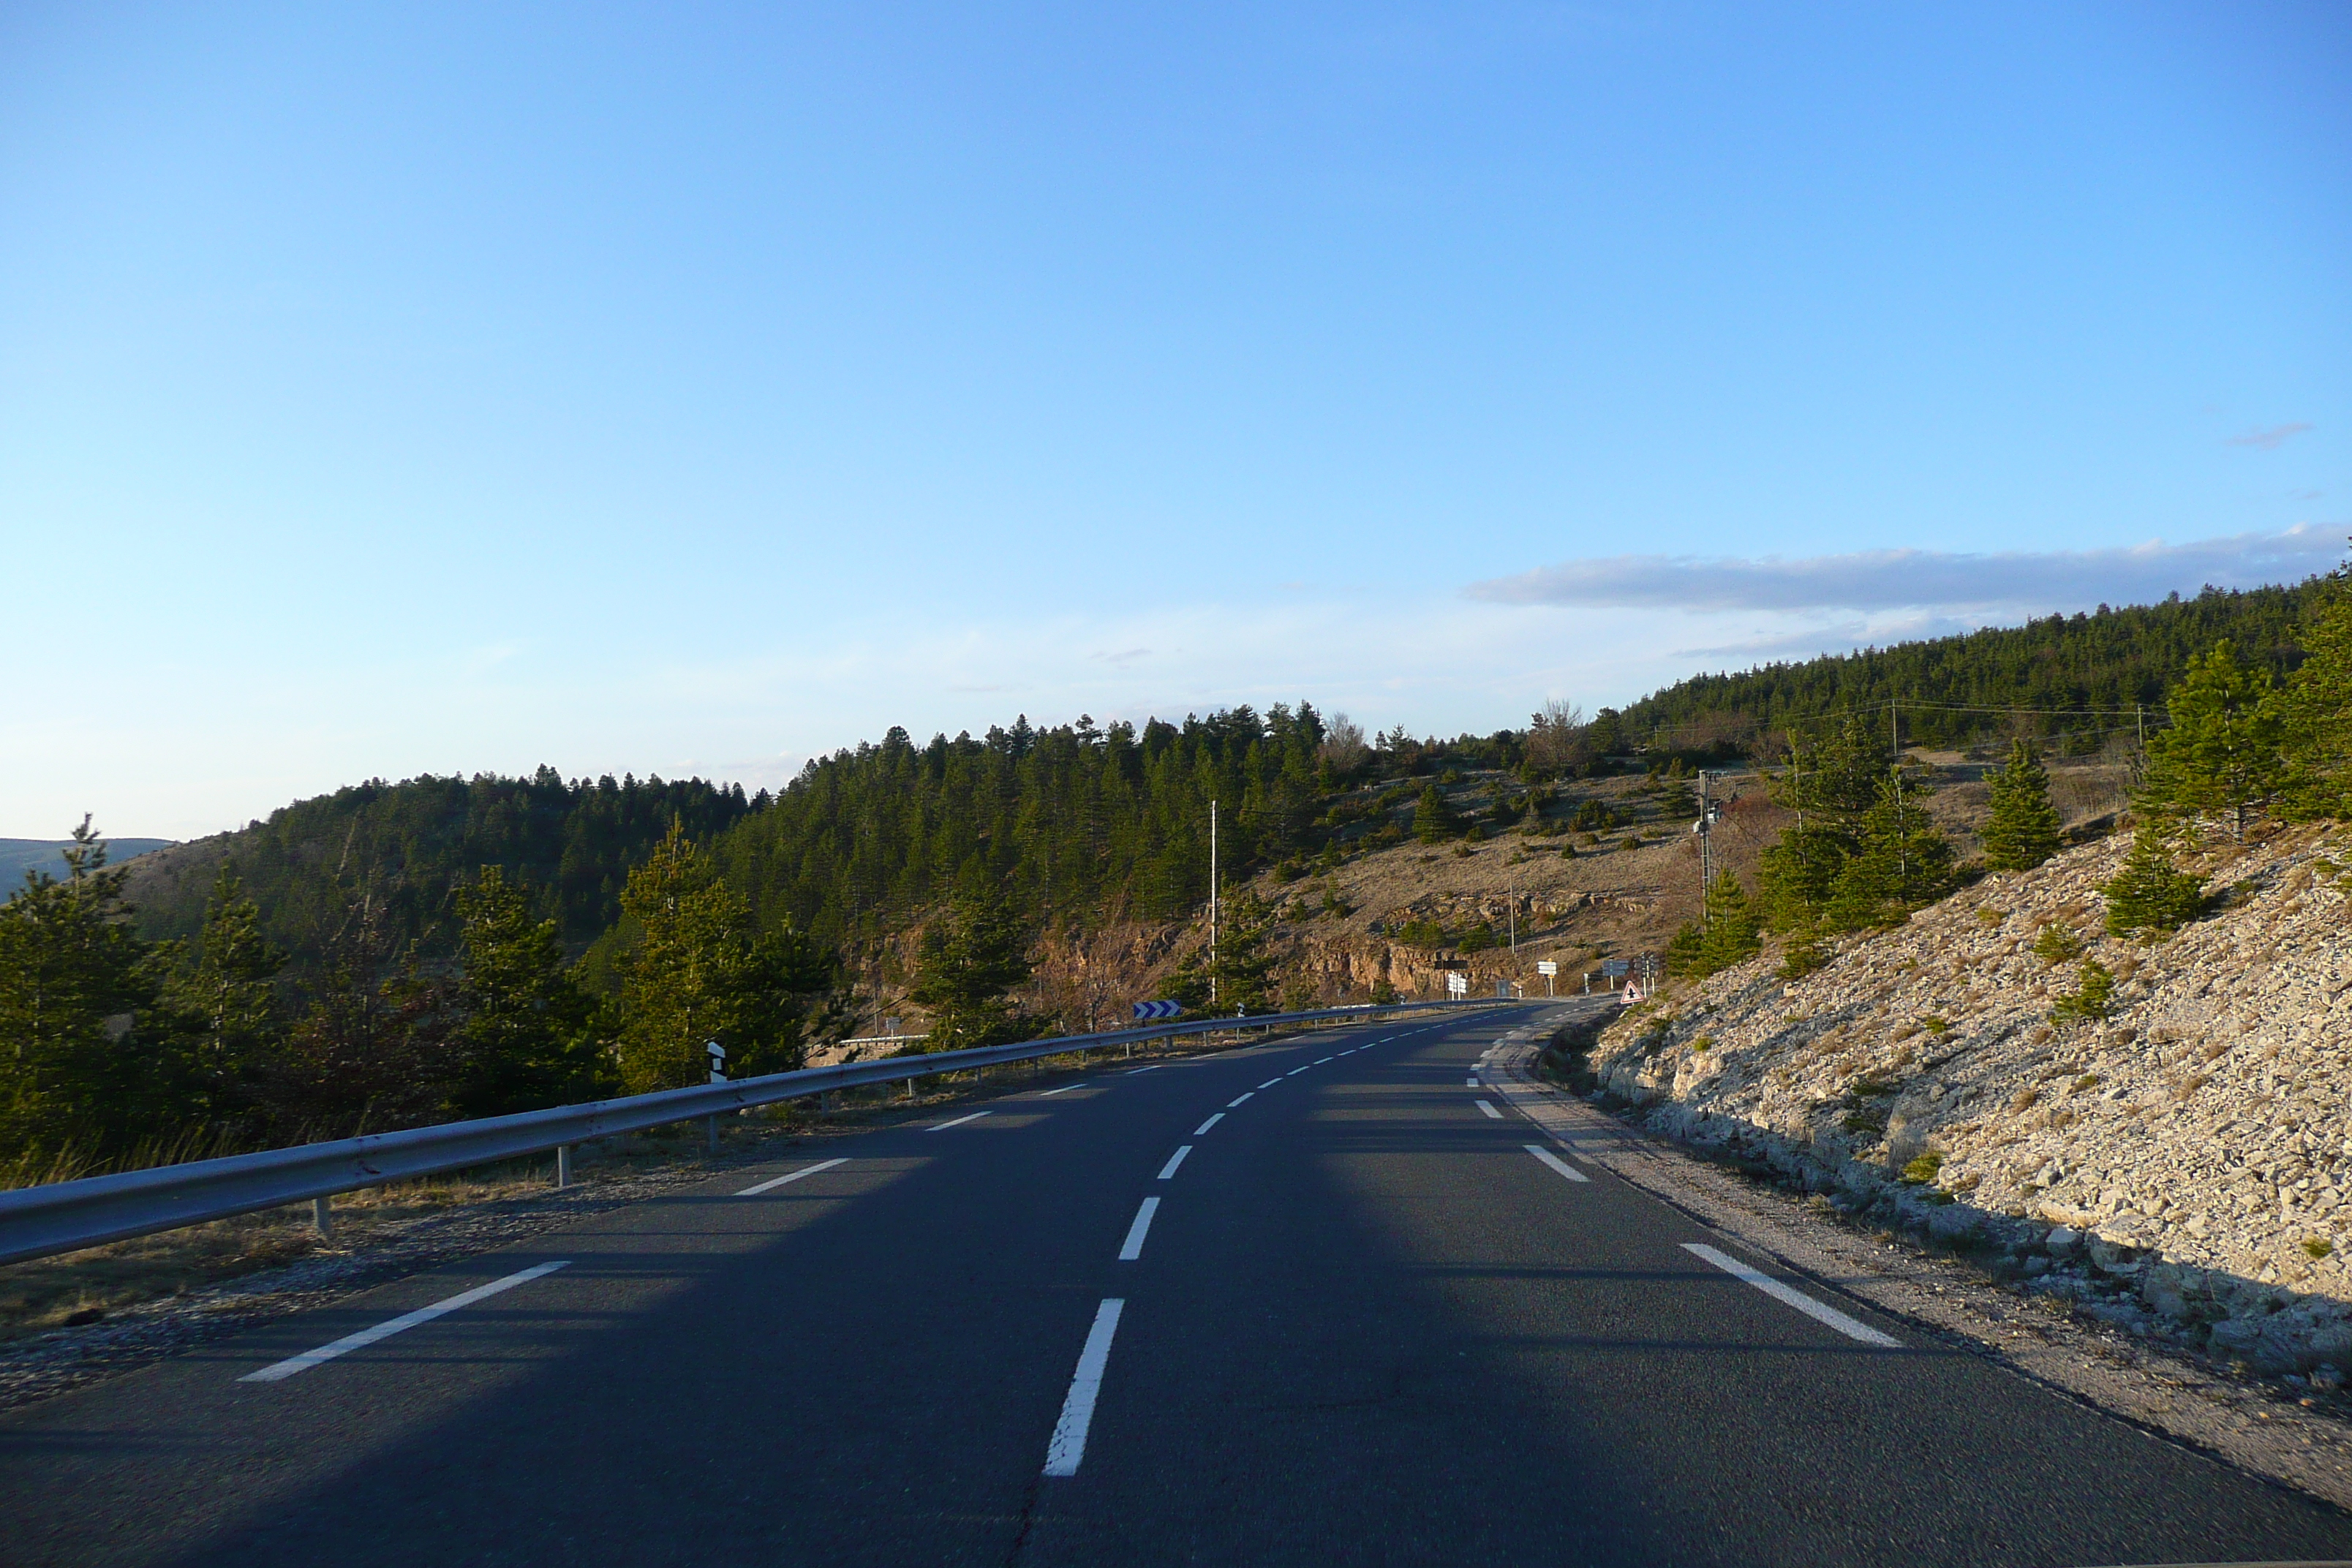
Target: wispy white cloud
(2272,439)
(1922,579)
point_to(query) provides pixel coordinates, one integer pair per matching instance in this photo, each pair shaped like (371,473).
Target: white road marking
(1174,1160)
(1556,1162)
(1231,1103)
(1063,1089)
(1294,1072)
(1132,1248)
(390,1327)
(1155,1067)
(1852,1327)
(791,1176)
(1069,1444)
(957,1122)
(1320,1060)
(1470,1083)
(1490,1110)
(1267,1084)
(1211,1122)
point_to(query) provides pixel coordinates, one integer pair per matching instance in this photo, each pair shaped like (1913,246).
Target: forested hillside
(1074,820)
(402,850)
(2083,673)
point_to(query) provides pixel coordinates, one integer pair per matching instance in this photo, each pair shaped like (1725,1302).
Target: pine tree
(2022,831)
(1433,820)
(1734,934)
(229,999)
(969,965)
(530,1037)
(2225,752)
(700,972)
(2316,707)
(84,1057)
(2148,894)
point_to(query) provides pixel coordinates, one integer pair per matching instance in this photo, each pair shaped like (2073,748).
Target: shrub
(2148,894)
(2094,999)
(2318,1247)
(2057,945)
(1924,1170)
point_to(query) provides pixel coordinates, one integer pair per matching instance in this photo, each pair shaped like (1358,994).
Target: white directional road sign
(1547,966)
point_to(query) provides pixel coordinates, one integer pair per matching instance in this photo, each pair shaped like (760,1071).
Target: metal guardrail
(60,1217)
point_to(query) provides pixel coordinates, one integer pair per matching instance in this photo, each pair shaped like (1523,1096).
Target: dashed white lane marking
(1174,1160)
(1556,1162)
(1294,1072)
(1490,1110)
(1211,1122)
(1320,1060)
(1132,1248)
(391,1326)
(1063,1089)
(1469,1083)
(1069,1444)
(774,1181)
(1821,1313)
(1267,1084)
(957,1122)
(1155,1067)
(1231,1103)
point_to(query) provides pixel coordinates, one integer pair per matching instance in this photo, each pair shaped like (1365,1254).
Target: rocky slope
(2183,1165)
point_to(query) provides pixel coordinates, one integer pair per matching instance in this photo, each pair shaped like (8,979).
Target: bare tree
(1556,739)
(1343,745)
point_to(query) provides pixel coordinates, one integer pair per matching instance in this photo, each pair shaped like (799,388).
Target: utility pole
(1895,727)
(1213,900)
(1704,828)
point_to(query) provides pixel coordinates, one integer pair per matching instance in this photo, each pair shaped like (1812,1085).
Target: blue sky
(690,389)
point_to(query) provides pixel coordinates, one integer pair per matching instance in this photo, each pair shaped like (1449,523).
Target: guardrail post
(563,1166)
(323,1219)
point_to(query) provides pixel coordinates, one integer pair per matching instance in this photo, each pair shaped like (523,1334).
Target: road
(1370,1314)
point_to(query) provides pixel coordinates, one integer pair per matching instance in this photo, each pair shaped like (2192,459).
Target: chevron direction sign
(1157,1010)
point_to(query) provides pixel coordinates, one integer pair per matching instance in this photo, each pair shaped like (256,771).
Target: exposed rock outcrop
(2184,1162)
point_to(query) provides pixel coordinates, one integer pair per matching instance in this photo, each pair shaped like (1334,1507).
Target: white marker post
(718,1054)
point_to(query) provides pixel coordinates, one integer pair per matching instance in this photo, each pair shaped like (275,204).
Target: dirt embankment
(2183,1165)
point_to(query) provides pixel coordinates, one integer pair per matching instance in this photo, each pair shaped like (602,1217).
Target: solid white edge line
(1174,1160)
(1231,1103)
(1490,1110)
(1555,1161)
(391,1326)
(1821,1313)
(1211,1122)
(1069,1442)
(1132,1248)
(957,1122)
(774,1181)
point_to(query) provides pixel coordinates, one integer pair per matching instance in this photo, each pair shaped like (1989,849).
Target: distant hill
(18,855)
(402,848)
(2086,671)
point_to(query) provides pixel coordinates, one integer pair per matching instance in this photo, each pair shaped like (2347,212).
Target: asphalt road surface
(1318,1300)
